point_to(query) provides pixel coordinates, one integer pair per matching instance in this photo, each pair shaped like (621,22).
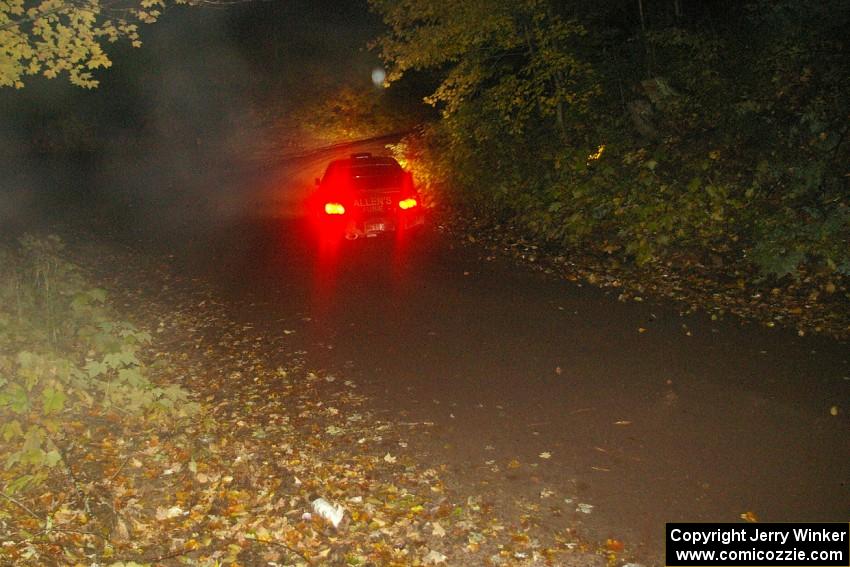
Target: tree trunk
(642,18)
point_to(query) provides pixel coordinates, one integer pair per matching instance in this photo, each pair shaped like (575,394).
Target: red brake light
(408,203)
(334,209)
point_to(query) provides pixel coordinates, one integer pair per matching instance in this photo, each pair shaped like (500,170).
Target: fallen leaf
(167,513)
(120,533)
(545,455)
(175,468)
(333,430)
(749,517)
(437,529)
(262,534)
(389,458)
(434,558)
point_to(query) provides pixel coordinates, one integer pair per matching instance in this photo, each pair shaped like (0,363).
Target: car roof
(364,159)
(365,171)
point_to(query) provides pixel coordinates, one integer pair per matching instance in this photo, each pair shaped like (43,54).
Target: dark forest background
(660,131)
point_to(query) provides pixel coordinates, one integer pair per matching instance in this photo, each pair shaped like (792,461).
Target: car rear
(367,196)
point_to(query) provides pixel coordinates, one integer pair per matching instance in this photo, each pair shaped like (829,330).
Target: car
(365,196)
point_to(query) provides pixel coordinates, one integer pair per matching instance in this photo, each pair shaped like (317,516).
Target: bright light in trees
(378,76)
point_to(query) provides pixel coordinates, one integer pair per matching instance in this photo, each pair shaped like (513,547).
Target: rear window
(366,176)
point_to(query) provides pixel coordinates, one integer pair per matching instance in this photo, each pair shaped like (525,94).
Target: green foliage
(789,238)
(728,140)
(511,59)
(416,153)
(64,357)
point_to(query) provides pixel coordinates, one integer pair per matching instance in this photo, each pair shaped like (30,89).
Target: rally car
(366,196)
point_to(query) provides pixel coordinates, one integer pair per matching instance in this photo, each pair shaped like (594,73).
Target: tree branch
(22,506)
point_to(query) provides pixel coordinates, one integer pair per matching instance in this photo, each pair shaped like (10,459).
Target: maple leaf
(434,558)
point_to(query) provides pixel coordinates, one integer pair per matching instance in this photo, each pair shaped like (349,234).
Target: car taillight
(334,209)
(408,203)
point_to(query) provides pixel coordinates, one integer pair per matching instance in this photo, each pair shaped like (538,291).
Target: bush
(724,139)
(67,364)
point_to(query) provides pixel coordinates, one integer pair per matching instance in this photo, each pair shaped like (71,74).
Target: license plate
(376,227)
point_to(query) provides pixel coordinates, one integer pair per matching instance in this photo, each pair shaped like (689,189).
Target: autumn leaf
(749,517)
(434,558)
(168,513)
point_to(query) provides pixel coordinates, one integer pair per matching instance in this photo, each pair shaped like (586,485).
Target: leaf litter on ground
(234,485)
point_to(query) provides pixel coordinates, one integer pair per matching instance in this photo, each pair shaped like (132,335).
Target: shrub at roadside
(74,391)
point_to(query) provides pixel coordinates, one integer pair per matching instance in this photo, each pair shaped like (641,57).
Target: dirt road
(537,390)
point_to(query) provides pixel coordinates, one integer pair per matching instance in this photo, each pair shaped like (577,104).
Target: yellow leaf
(749,517)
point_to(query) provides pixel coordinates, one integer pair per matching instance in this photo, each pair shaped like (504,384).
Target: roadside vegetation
(661,137)
(76,398)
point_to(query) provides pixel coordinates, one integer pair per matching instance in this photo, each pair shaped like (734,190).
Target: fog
(196,128)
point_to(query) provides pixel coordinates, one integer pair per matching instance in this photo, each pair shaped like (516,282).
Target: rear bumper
(373,226)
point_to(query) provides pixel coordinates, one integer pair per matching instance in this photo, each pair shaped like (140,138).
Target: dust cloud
(193,131)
